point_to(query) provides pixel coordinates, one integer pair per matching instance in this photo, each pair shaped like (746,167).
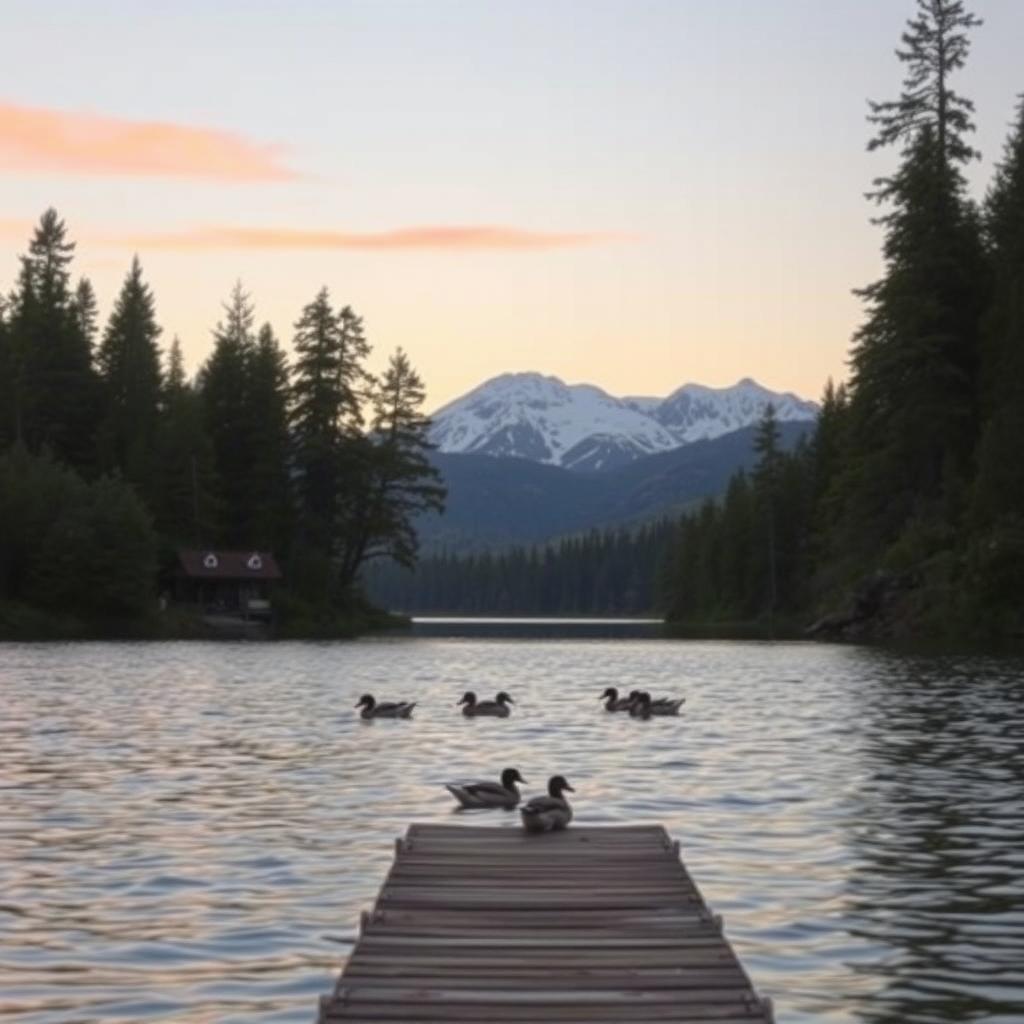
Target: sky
(634,194)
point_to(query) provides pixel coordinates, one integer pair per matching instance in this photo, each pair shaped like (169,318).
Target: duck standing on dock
(613,702)
(644,707)
(497,708)
(371,709)
(551,812)
(502,794)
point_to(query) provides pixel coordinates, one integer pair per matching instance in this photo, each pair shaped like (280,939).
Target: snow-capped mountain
(579,426)
(698,413)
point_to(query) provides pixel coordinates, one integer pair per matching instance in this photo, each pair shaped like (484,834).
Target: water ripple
(189,831)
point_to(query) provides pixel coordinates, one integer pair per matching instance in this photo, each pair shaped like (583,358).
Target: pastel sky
(635,194)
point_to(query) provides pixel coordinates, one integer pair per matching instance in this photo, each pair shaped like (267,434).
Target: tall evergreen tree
(224,383)
(175,378)
(269,475)
(400,482)
(327,376)
(186,506)
(998,500)
(915,360)
(128,360)
(935,45)
(55,388)
(767,479)
(84,310)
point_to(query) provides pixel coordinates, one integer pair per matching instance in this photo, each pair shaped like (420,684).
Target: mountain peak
(579,426)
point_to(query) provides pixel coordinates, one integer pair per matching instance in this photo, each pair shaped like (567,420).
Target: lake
(188,831)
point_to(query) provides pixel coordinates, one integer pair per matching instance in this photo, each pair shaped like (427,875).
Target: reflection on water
(188,831)
(939,879)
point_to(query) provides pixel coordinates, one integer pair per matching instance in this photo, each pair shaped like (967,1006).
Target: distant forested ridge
(905,513)
(611,572)
(111,458)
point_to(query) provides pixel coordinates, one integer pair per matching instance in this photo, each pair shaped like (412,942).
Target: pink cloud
(466,237)
(35,139)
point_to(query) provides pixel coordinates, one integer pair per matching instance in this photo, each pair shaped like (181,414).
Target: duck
(644,707)
(371,709)
(551,812)
(488,794)
(613,702)
(499,707)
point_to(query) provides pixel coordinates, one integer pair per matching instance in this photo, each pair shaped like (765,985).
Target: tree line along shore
(902,514)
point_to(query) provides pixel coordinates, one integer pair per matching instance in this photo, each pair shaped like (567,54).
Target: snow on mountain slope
(534,417)
(698,413)
(579,426)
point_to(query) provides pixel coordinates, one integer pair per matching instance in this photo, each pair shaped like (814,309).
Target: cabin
(232,583)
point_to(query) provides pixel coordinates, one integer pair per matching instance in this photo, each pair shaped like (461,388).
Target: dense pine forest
(905,515)
(614,572)
(111,458)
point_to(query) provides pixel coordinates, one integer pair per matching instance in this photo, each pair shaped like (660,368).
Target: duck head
(504,698)
(469,697)
(610,694)
(510,776)
(366,701)
(557,785)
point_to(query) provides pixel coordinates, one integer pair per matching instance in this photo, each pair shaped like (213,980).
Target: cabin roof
(213,564)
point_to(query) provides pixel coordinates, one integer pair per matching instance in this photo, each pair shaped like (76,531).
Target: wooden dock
(494,925)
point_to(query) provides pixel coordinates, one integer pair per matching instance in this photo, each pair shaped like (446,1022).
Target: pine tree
(268,409)
(224,384)
(328,376)
(913,419)
(767,474)
(186,506)
(936,45)
(128,360)
(998,499)
(54,386)
(175,378)
(999,490)
(400,482)
(84,311)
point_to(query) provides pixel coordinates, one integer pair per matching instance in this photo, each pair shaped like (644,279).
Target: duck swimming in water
(613,702)
(547,813)
(498,708)
(488,794)
(371,709)
(644,707)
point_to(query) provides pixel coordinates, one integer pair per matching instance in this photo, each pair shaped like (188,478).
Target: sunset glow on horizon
(633,195)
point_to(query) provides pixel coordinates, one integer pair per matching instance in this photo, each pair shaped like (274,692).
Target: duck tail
(457,791)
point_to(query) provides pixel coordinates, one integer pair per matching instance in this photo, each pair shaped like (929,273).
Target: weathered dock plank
(496,925)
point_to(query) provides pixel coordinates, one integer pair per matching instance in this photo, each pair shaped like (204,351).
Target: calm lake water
(189,831)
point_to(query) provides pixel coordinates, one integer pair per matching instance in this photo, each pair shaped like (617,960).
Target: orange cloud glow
(442,237)
(34,139)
